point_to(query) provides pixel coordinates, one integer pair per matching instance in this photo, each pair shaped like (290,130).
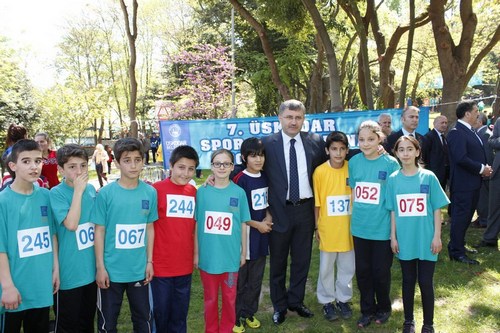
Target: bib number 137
(338,205)
(218,223)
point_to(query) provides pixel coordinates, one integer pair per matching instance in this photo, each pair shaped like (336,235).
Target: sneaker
(252,322)
(329,312)
(382,317)
(364,321)
(409,326)
(344,309)
(427,329)
(239,327)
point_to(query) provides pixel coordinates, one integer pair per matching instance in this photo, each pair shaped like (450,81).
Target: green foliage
(64,115)
(17,103)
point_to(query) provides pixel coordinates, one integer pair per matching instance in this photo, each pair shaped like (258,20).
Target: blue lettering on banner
(208,135)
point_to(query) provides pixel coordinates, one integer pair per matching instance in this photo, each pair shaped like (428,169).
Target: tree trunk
(455,60)
(266,46)
(350,7)
(362,81)
(315,100)
(386,53)
(409,49)
(132,37)
(331,58)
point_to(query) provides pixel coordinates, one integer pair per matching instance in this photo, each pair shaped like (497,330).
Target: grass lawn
(467,299)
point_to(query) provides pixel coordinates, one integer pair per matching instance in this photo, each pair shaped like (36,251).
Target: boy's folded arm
(73,218)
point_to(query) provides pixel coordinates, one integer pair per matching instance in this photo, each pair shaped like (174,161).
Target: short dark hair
(127,144)
(15,133)
(70,150)
(251,146)
(463,107)
(184,152)
(22,146)
(293,105)
(336,136)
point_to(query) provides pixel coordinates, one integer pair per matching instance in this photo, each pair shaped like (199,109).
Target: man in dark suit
(490,236)
(291,157)
(482,205)
(435,151)
(385,122)
(467,167)
(409,118)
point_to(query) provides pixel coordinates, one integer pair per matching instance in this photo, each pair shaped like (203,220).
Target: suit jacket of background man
(434,156)
(391,140)
(485,134)
(275,169)
(494,144)
(467,154)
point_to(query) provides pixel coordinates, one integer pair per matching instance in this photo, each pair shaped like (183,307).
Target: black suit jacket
(275,168)
(467,154)
(494,144)
(391,140)
(434,155)
(485,134)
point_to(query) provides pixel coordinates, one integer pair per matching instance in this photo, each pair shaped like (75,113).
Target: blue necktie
(294,174)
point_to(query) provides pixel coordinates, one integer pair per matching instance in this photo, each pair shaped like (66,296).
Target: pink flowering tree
(203,86)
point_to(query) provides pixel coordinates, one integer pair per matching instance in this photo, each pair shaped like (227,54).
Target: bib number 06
(85,235)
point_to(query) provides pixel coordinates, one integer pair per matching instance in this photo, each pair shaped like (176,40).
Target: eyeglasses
(219,164)
(291,118)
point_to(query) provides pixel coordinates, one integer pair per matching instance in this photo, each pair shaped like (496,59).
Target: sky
(35,28)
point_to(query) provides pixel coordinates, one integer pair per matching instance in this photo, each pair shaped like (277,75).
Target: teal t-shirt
(125,213)
(414,200)
(76,248)
(26,229)
(220,213)
(368,178)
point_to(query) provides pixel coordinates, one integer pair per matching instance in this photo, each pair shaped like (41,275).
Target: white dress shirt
(304,186)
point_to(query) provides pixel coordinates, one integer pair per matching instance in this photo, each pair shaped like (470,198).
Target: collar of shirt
(439,133)
(286,139)
(406,133)
(305,187)
(465,124)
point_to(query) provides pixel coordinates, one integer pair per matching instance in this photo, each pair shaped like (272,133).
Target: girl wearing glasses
(220,247)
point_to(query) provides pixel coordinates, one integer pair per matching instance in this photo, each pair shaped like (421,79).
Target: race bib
(368,193)
(130,236)
(33,242)
(180,206)
(259,199)
(338,205)
(85,235)
(218,223)
(414,204)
